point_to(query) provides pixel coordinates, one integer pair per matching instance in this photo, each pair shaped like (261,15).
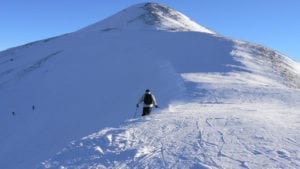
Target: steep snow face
(88,80)
(267,63)
(148,16)
(80,83)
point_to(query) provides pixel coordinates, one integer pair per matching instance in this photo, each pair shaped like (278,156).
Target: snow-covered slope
(223,96)
(148,16)
(193,135)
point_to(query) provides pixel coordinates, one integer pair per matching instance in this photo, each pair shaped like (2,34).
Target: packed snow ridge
(69,101)
(148,16)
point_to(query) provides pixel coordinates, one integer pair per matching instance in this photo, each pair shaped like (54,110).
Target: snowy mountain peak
(223,103)
(148,16)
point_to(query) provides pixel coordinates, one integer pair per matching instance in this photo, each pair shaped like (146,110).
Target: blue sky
(273,23)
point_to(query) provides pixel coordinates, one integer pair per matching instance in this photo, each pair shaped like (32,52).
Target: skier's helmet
(147,91)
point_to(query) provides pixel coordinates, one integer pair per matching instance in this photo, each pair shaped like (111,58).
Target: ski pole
(135,112)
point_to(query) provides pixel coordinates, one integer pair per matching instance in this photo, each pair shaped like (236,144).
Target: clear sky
(273,23)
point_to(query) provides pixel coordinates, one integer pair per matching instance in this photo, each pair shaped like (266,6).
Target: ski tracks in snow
(188,136)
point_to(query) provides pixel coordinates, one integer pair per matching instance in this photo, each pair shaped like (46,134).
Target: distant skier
(33,107)
(149,101)
(13,113)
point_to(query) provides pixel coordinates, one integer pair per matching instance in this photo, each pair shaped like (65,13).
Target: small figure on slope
(149,101)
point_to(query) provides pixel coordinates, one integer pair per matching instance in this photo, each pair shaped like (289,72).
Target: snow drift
(85,81)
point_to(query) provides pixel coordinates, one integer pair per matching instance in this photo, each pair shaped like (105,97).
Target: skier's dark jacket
(154,103)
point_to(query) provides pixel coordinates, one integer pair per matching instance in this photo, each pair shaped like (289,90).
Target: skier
(149,101)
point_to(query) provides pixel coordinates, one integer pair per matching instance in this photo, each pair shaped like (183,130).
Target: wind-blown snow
(224,103)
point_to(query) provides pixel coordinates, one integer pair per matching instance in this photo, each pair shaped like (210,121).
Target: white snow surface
(224,103)
(148,16)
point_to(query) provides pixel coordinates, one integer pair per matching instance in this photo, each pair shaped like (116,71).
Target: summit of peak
(149,16)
